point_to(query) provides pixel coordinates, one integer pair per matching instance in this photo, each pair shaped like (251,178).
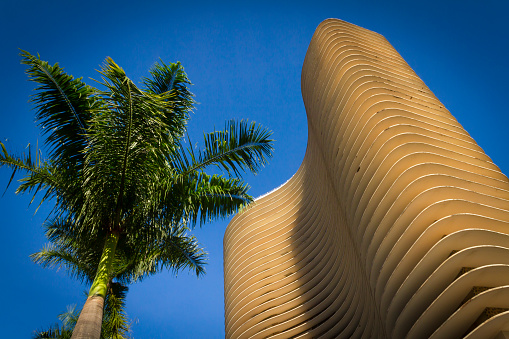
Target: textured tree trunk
(90,321)
(91,317)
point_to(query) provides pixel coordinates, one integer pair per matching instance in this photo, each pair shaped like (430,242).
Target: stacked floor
(395,225)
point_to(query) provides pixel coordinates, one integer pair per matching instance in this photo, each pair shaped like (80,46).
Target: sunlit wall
(395,225)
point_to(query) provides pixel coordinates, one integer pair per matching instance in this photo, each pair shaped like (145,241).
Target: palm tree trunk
(90,320)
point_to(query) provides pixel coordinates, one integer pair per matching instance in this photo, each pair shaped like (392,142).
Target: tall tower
(395,225)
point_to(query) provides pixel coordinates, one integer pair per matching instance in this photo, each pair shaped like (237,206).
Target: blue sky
(245,60)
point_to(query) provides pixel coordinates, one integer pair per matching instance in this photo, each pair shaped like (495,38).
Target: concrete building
(396,225)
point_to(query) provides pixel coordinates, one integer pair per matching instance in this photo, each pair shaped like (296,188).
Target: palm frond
(64,107)
(212,197)
(115,322)
(69,250)
(54,257)
(69,317)
(39,176)
(63,184)
(171,81)
(64,331)
(171,249)
(239,147)
(53,332)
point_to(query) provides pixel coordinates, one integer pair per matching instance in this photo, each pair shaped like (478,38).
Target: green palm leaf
(175,251)
(206,198)
(115,322)
(171,81)
(64,106)
(239,147)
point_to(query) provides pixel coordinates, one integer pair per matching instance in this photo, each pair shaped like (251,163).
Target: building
(395,225)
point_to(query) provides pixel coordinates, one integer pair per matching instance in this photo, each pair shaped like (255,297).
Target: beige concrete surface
(396,224)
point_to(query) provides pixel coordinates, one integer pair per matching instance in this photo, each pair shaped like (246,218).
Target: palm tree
(119,173)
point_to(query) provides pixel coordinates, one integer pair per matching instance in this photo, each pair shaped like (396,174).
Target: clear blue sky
(245,61)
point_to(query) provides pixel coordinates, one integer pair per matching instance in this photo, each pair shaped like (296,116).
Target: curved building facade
(396,225)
